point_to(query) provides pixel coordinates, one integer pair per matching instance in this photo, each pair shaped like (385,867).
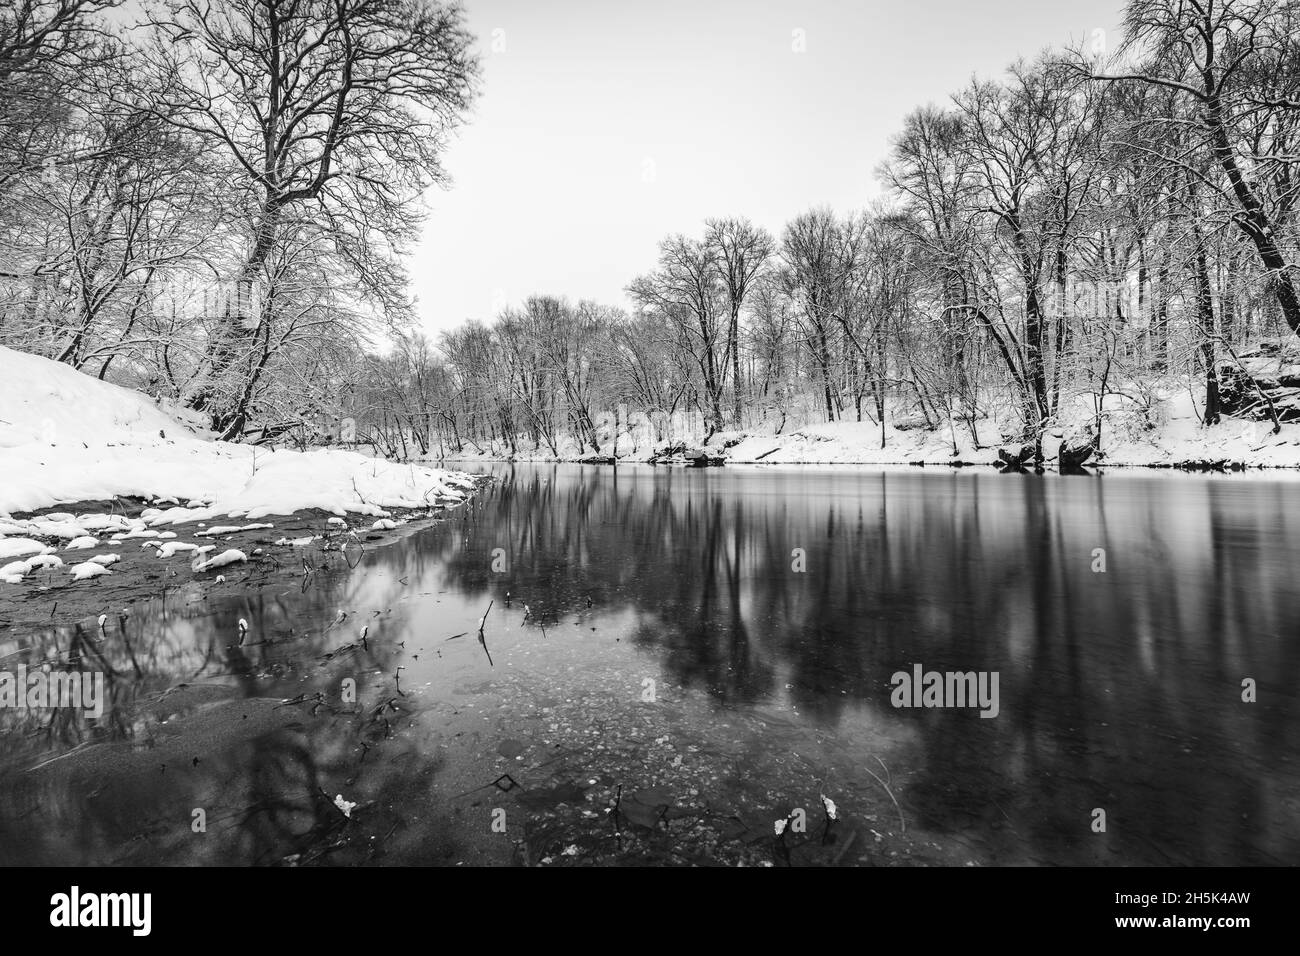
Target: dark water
(1118,691)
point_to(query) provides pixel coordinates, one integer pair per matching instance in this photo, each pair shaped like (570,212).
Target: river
(674,659)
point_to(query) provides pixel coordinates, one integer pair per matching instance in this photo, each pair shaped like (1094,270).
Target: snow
(80,544)
(231,529)
(69,530)
(106,559)
(14,571)
(17,547)
(860,442)
(67,437)
(1165,431)
(103,522)
(177,547)
(220,561)
(89,569)
(47,403)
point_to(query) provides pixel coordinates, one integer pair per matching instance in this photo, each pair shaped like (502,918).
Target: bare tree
(742,251)
(334,111)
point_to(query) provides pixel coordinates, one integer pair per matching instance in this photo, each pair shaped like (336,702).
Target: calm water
(712,675)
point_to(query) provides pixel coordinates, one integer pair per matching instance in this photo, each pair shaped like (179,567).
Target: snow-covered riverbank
(1171,437)
(66,437)
(68,440)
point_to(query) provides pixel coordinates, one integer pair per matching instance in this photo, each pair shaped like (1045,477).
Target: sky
(605,125)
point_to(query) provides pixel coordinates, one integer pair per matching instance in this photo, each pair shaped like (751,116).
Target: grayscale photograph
(600,433)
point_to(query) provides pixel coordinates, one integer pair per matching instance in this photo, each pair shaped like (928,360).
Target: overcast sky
(605,125)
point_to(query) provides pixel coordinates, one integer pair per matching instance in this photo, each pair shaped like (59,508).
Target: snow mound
(88,569)
(51,403)
(176,547)
(17,547)
(220,561)
(67,437)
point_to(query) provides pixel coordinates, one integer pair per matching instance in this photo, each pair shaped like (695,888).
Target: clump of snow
(64,530)
(80,544)
(14,571)
(384,524)
(220,529)
(65,437)
(219,561)
(106,559)
(88,569)
(104,522)
(17,547)
(178,547)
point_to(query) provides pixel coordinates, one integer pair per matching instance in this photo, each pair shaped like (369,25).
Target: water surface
(707,650)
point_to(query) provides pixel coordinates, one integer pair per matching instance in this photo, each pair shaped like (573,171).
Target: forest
(215,205)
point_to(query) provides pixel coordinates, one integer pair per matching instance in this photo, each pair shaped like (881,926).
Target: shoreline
(1193,466)
(49,598)
(1174,441)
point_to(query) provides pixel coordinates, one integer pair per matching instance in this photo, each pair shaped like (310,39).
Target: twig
(891,797)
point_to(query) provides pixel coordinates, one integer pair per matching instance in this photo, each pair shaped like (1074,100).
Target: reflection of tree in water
(1118,690)
(197,721)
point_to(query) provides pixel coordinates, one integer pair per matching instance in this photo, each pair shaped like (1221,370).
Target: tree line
(215,204)
(1093,231)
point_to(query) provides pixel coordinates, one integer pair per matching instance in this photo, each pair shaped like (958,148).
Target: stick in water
(481,639)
